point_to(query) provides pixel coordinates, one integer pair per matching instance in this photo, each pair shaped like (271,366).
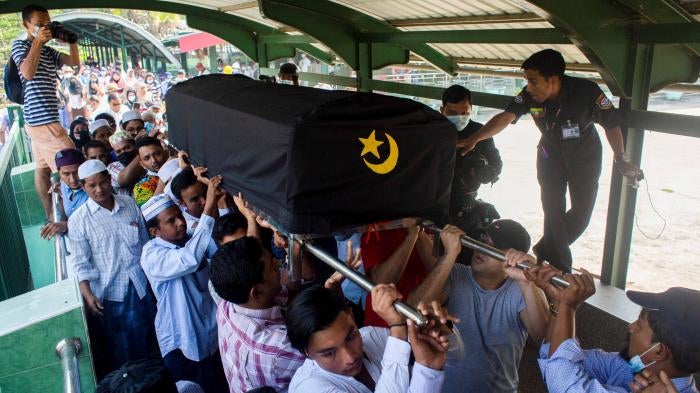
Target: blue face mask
(636,364)
(460,121)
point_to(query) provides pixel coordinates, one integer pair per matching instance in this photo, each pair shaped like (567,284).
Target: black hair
(456,94)
(152,223)
(547,62)
(147,141)
(108,117)
(76,121)
(74,86)
(314,309)
(236,268)
(685,355)
(112,97)
(186,178)
(227,224)
(288,69)
(94,144)
(29,10)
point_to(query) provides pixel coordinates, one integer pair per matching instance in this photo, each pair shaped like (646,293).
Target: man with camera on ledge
(37,64)
(480,166)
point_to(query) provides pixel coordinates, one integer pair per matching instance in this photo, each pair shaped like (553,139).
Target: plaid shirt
(254,348)
(106,247)
(571,369)
(114,169)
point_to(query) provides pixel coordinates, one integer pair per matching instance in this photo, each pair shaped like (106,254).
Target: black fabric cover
(294,152)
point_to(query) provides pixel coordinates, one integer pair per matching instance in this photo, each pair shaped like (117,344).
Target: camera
(59,32)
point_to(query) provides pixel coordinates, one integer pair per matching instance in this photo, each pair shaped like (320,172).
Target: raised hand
(383,298)
(451,239)
(242,206)
(353,261)
(513,257)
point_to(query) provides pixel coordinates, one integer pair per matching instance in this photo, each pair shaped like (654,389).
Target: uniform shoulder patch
(603,102)
(519,99)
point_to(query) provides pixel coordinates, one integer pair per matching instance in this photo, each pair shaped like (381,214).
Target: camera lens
(61,33)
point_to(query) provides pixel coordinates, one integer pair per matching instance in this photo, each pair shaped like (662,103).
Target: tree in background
(160,24)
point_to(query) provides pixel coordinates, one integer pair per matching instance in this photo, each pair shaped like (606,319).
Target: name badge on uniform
(570,131)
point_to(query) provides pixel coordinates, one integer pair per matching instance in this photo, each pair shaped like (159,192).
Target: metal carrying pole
(59,245)
(492,252)
(358,278)
(67,350)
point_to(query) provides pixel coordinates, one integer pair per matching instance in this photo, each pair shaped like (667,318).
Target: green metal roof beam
(672,63)
(467,20)
(190,11)
(496,36)
(670,33)
(100,39)
(337,27)
(285,39)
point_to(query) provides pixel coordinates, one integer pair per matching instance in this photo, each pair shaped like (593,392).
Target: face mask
(126,157)
(285,82)
(460,121)
(636,364)
(131,98)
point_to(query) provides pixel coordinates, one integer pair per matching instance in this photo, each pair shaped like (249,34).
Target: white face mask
(285,82)
(460,121)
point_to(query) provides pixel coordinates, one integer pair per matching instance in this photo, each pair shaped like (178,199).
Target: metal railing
(67,350)
(59,241)
(15,276)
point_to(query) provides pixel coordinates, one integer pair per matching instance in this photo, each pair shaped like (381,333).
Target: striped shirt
(255,350)
(40,100)
(106,247)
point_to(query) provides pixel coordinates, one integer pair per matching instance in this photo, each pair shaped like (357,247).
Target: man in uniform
(569,155)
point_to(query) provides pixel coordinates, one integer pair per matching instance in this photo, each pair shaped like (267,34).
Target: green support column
(262,55)
(155,60)
(212,58)
(183,61)
(123,48)
(364,71)
(623,197)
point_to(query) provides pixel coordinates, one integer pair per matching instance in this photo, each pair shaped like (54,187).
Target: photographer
(38,64)
(480,166)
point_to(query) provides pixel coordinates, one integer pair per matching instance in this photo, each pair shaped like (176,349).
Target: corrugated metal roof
(421,14)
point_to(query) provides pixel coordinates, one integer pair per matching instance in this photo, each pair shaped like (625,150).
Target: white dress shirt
(186,317)
(386,360)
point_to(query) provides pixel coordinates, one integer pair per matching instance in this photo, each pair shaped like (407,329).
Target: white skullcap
(167,171)
(89,168)
(131,115)
(155,206)
(98,124)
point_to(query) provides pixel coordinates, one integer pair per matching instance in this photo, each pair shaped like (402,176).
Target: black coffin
(296,153)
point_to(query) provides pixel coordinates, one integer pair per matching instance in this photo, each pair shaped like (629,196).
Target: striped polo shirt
(40,100)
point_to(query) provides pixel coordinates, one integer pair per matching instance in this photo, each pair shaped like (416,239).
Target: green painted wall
(32,325)
(31,214)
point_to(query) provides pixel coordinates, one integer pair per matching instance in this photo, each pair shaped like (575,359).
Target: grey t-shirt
(492,332)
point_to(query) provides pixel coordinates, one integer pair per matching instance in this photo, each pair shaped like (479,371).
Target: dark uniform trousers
(575,165)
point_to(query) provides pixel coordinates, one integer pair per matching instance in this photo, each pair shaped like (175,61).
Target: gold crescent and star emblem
(371,145)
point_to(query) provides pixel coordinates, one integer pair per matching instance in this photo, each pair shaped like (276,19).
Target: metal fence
(15,276)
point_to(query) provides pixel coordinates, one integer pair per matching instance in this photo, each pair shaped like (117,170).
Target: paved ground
(671,165)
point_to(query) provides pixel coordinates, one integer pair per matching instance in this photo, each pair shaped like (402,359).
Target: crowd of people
(174,269)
